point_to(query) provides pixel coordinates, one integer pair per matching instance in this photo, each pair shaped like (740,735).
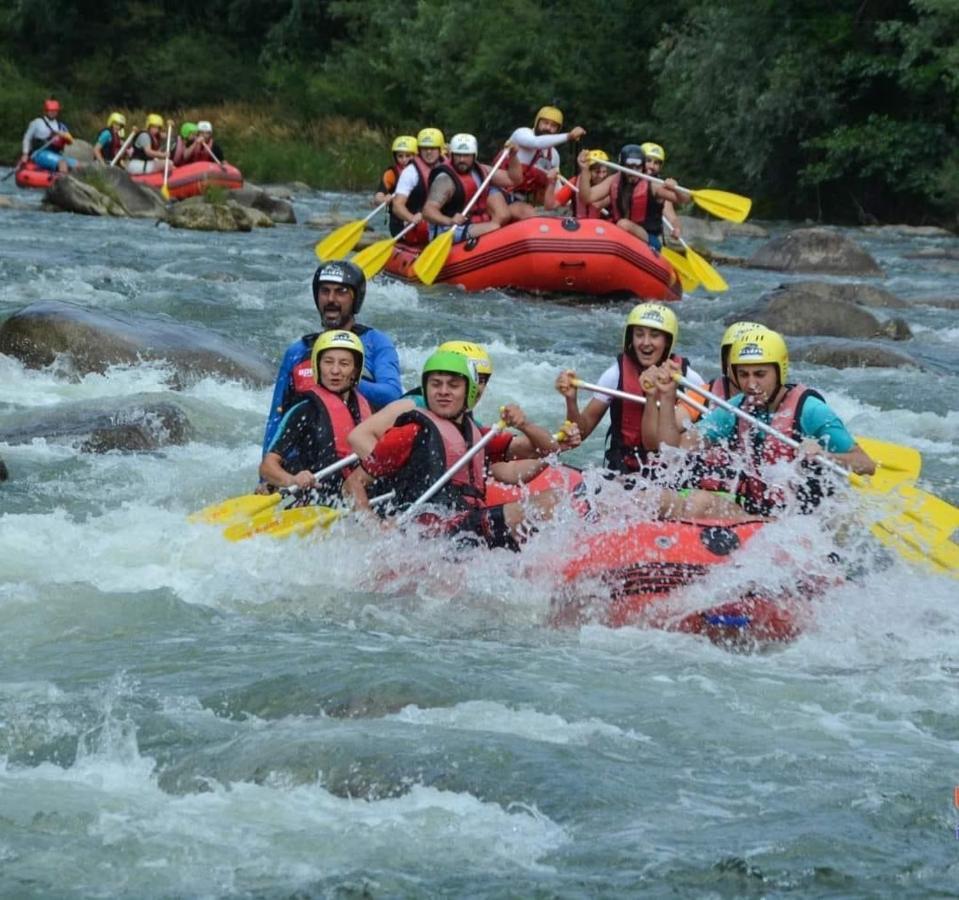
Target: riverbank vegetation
(845,112)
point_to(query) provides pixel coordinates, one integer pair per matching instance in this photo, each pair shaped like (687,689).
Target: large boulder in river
(847,292)
(81,151)
(71,194)
(137,424)
(104,191)
(199,214)
(815,250)
(92,341)
(279,211)
(797,313)
(853,355)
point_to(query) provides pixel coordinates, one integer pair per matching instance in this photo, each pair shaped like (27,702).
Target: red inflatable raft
(546,254)
(191,179)
(30,175)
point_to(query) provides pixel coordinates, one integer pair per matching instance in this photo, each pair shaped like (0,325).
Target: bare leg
(633,229)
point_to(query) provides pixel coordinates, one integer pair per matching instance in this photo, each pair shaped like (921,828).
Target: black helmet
(632,156)
(342,271)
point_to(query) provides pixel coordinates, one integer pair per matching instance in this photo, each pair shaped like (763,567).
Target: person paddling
(205,148)
(655,158)
(110,140)
(339,289)
(313,433)
(149,152)
(404,149)
(724,385)
(760,361)
(185,148)
(569,193)
(412,186)
(45,140)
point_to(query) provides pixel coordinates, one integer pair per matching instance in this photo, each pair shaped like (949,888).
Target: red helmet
(51,107)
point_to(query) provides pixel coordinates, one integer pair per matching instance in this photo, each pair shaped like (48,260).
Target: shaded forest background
(843,111)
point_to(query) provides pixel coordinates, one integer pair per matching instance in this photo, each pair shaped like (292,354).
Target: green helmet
(188,128)
(454,364)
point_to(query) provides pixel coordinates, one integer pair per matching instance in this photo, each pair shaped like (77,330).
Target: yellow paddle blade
(235,508)
(373,258)
(893,461)
(338,243)
(710,278)
(433,258)
(282,523)
(924,531)
(165,192)
(723,204)
(678,262)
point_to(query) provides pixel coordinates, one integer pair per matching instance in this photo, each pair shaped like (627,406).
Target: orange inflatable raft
(191,180)
(30,175)
(552,255)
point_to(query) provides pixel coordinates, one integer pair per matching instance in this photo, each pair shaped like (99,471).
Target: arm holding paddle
(587,419)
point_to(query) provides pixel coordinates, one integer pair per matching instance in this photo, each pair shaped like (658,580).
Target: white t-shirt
(408,180)
(529,142)
(610,379)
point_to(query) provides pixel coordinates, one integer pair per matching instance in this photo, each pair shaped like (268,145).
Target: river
(182,716)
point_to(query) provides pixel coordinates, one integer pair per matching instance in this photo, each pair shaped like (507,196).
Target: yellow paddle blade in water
(372,259)
(235,508)
(924,530)
(282,523)
(895,463)
(723,204)
(678,262)
(430,262)
(338,243)
(702,270)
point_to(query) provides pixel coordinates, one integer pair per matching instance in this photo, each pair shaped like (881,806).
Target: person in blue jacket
(339,288)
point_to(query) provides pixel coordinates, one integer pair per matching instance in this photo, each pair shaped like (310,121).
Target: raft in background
(30,175)
(546,254)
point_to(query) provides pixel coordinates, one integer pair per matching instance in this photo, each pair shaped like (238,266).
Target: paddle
(373,258)
(19,165)
(164,190)
(701,269)
(339,242)
(721,204)
(251,504)
(123,147)
(299,520)
(213,156)
(452,470)
(921,531)
(433,258)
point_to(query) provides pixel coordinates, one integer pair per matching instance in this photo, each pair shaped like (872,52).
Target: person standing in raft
(185,146)
(46,138)
(426,442)
(569,193)
(313,433)
(655,157)
(205,148)
(110,139)
(409,198)
(636,204)
(760,362)
(452,185)
(149,148)
(404,149)
(652,331)
(339,289)
(537,156)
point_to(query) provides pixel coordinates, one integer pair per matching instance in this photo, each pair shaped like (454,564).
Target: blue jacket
(380,383)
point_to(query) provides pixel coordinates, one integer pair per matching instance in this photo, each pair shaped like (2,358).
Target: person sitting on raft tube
(339,289)
(46,138)
(409,198)
(149,148)
(110,139)
(426,442)
(655,157)
(650,337)
(537,155)
(205,148)
(185,147)
(569,192)
(760,361)
(452,185)
(404,149)
(313,433)
(635,203)
(724,385)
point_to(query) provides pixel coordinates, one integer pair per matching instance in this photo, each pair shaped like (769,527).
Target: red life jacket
(637,203)
(534,176)
(723,388)
(417,197)
(439,445)
(342,420)
(584,210)
(464,189)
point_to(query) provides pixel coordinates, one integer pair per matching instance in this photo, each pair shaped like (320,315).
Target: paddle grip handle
(294,489)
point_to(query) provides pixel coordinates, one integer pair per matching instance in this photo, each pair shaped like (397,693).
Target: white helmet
(463,143)
(204,126)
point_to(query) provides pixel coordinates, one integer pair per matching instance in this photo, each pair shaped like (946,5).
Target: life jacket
(389,178)
(723,388)
(156,141)
(786,419)
(56,143)
(439,445)
(583,210)
(644,208)
(113,148)
(464,189)
(302,373)
(534,176)
(337,420)
(414,204)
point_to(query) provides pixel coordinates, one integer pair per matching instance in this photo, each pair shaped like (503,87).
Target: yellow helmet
(154,119)
(595,157)
(653,315)
(551,114)
(116,118)
(337,340)
(731,334)
(405,143)
(430,137)
(761,346)
(653,151)
(474,352)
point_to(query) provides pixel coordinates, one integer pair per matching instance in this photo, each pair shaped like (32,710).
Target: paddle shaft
(294,489)
(459,464)
(623,395)
(123,146)
(653,178)
(209,149)
(485,183)
(19,165)
(166,162)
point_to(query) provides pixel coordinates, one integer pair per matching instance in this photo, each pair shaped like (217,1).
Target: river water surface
(183,716)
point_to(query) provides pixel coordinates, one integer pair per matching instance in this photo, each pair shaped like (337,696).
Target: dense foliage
(842,111)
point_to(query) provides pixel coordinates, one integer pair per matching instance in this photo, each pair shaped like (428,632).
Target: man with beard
(339,288)
(454,185)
